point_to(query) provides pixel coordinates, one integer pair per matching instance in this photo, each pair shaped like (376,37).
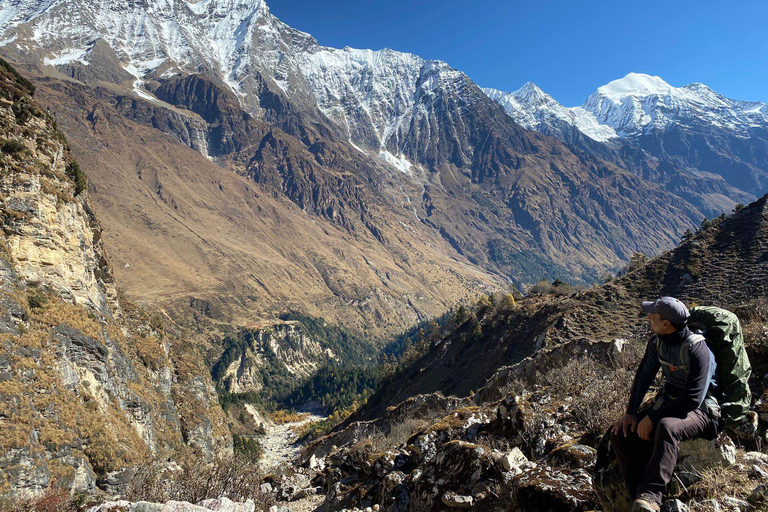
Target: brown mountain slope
(725,265)
(193,237)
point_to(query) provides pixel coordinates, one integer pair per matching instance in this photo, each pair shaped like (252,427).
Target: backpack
(722,330)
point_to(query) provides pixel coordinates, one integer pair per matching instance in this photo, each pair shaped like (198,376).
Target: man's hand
(644,429)
(628,421)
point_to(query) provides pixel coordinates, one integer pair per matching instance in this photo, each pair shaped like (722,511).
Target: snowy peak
(632,106)
(534,109)
(636,85)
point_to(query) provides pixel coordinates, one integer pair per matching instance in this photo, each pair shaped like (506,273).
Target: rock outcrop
(88,385)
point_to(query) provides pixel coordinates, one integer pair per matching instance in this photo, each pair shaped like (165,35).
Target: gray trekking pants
(647,466)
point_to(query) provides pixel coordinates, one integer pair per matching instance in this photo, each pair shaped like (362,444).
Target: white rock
(453,500)
(227,505)
(675,506)
(111,505)
(513,460)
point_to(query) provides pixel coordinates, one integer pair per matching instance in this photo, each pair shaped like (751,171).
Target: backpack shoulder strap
(685,349)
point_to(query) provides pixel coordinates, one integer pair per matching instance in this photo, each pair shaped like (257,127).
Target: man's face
(659,325)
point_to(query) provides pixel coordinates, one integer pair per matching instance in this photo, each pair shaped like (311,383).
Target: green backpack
(722,330)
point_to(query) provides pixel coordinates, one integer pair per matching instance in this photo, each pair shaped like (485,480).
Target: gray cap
(669,308)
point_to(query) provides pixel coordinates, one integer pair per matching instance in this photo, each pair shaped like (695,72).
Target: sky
(568,48)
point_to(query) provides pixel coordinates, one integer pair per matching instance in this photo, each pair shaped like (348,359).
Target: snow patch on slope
(67,56)
(399,162)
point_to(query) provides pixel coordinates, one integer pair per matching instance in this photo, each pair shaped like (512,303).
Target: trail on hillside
(279,443)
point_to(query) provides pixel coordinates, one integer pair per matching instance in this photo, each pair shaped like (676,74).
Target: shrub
(77,176)
(598,392)
(53,499)
(37,300)
(26,84)
(195,480)
(13,146)
(247,447)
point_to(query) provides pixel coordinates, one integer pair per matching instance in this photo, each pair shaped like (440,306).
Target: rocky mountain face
(89,385)
(378,155)
(285,346)
(704,147)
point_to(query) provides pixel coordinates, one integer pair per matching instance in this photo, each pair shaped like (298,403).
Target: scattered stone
(755,458)
(512,461)
(280,508)
(708,506)
(316,464)
(266,488)
(617,346)
(301,494)
(453,500)
(748,429)
(675,506)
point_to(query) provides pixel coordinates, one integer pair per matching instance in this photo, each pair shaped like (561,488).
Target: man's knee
(668,429)
(620,441)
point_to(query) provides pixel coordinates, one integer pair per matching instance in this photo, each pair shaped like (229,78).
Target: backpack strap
(685,349)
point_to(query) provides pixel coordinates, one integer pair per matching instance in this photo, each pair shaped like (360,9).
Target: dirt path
(279,442)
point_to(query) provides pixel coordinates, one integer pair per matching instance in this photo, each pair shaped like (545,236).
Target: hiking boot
(644,504)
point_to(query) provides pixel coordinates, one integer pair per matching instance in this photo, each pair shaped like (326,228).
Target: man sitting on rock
(647,442)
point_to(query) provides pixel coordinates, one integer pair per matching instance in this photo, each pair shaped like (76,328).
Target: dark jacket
(686,383)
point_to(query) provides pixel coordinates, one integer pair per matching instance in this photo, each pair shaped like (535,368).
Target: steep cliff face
(88,388)
(282,347)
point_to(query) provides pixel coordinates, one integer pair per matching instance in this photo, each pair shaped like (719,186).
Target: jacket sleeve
(646,372)
(695,387)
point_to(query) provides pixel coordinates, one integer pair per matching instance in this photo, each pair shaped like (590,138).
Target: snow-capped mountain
(634,105)
(692,128)
(638,104)
(536,110)
(370,94)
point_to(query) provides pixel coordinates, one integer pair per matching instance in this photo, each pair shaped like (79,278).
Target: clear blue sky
(568,48)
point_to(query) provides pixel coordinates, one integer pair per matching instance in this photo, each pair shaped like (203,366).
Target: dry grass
(596,393)
(194,480)
(718,483)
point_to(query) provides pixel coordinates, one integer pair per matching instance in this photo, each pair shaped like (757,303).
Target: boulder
(545,489)
(458,467)
(735,504)
(697,454)
(573,456)
(145,506)
(393,493)
(112,506)
(452,500)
